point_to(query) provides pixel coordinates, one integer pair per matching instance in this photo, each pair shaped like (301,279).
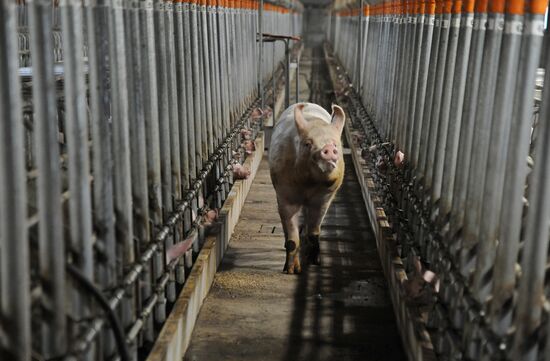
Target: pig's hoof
(295,268)
(313,250)
(292,265)
(315,259)
(312,257)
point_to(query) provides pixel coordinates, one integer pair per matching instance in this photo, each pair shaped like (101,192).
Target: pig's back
(284,141)
(310,111)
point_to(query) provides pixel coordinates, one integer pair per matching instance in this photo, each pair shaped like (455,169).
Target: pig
(257,113)
(307,169)
(246,133)
(421,283)
(206,223)
(240,171)
(399,159)
(249,146)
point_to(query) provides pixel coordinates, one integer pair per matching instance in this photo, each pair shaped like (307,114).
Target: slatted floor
(337,311)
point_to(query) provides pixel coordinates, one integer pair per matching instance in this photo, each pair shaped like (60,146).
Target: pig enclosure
(122,122)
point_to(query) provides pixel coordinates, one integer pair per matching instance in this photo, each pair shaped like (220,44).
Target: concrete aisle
(337,311)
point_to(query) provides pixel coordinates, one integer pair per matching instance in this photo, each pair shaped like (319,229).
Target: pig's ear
(301,123)
(338,117)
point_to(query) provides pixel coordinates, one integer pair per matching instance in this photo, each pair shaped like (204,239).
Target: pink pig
(240,171)
(307,169)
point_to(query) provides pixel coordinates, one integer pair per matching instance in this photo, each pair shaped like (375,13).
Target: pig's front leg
(314,215)
(289,220)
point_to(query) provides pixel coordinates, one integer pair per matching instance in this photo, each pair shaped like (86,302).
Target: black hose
(102,301)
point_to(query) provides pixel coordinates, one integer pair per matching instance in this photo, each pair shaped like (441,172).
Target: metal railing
(451,85)
(121,120)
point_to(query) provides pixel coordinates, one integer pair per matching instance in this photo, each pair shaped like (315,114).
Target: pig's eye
(308,144)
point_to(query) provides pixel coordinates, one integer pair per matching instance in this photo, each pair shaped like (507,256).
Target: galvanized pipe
(80,215)
(516,170)
(51,242)
(14,247)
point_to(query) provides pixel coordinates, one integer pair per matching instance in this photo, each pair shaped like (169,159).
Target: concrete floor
(337,311)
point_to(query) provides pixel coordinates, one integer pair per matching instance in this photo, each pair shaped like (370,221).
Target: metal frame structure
(451,84)
(121,121)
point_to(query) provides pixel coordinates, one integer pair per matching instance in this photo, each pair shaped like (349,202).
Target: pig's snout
(329,153)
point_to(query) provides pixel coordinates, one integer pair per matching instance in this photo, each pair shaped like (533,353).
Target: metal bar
(80,211)
(496,163)
(423,72)
(516,171)
(14,249)
(446,96)
(430,89)
(261,53)
(480,143)
(535,250)
(196,158)
(97,15)
(121,147)
(468,120)
(287,74)
(434,120)
(51,243)
(192,111)
(164,123)
(456,108)
(174,123)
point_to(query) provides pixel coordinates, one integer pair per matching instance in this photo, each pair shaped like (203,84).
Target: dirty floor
(337,311)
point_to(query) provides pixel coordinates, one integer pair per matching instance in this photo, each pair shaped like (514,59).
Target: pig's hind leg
(314,215)
(289,220)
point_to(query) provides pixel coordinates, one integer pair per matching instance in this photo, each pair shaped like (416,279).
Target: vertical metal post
(446,95)
(51,242)
(173,122)
(501,308)
(15,299)
(164,127)
(456,108)
(480,145)
(468,120)
(535,249)
(434,120)
(423,72)
(196,81)
(287,74)
(152,138)
(261,53)
(138,156)
(430,91)
(80,212)
(496,162)
(180,66)
(297,90)
(121,155)
(360,50)
(100,115)
(415,70)
(191,103)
